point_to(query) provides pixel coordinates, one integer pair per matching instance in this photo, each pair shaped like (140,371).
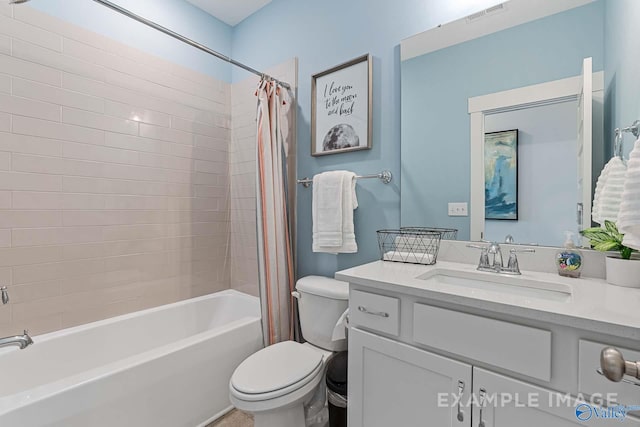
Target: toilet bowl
(277,383)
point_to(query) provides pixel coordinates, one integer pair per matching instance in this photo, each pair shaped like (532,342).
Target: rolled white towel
(410,257)
(629,215)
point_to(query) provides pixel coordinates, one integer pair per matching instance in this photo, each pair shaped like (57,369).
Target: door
(393,384)
(585,153)
(506,402)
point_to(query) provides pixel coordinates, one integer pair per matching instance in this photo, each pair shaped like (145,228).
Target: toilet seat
(276,371)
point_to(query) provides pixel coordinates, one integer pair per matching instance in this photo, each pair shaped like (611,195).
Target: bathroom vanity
(446,345)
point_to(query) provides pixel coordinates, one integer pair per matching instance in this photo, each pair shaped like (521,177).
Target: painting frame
(501,175)
(334,129)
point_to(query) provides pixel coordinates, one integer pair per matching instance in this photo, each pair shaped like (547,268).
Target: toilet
(278,383)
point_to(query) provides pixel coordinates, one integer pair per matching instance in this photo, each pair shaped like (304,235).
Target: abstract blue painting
(501,175)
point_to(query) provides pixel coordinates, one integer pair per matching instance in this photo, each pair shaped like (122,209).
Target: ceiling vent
(502,7)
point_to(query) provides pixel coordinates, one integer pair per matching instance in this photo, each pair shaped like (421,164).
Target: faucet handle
(484,256)
(5,295)
(512,266)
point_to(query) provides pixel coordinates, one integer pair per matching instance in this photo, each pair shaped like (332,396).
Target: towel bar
(385,176)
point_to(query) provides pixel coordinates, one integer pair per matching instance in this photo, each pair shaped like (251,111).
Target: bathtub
(166,366)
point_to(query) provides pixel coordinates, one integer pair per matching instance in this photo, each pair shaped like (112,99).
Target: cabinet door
(393,384)
(510,403)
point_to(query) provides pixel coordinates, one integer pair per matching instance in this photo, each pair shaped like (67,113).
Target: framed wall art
(341,108)
(501,175)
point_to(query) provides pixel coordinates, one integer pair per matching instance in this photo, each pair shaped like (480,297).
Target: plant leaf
(597,235)
(612,228)
(607,246)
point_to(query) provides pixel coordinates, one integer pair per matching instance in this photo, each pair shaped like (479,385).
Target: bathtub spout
(22,341)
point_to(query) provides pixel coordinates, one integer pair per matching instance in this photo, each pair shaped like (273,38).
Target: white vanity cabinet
(395,384)
(411,361)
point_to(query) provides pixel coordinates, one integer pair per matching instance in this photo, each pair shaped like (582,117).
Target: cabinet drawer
(590,382)
(375,312)
(521,349)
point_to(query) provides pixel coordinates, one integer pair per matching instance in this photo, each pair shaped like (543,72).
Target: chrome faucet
(22,341)
(491,259)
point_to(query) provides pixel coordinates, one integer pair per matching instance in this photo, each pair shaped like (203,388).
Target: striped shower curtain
(275,256)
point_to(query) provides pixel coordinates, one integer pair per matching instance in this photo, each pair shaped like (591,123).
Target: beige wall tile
(169,135)
(98,121)
(36,200)
(5,200)
(56,95)
(54,236)
(29,70)
(29,256)
(130,112)
(55,166)
(27,107)
(96,153)
(33,53)
(5,123)
(5,44)
(61,131)
(5,84)
(30,33)
(29,181)
(29,144)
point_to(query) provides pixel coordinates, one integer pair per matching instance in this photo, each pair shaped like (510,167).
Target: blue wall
(435,92)
(622,67)
(177,15)
(323,34)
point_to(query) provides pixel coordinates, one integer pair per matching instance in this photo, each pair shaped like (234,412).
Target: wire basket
(412,246)
(447,233)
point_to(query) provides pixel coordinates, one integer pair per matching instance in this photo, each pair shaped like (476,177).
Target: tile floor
(234,418)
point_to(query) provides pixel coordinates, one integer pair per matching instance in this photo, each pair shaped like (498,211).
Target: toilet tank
(321,302)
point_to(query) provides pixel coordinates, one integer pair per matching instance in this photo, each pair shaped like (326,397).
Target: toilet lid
(275,367)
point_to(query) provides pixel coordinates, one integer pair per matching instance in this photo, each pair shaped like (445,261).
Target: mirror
(516,66)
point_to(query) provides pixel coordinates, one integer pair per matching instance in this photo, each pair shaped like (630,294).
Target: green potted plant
(622,268)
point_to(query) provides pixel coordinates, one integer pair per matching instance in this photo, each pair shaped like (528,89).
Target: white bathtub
(167,366)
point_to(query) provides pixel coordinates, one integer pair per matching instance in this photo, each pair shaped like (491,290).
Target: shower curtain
(275,255)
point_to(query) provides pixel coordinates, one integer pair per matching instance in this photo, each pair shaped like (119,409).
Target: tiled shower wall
(243,257)
(114,176)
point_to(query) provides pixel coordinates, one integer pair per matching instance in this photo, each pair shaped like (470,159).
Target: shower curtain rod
(188,41)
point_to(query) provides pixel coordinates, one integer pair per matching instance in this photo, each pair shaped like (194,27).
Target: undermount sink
(512,285)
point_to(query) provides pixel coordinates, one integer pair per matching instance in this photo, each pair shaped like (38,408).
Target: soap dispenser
(569,259)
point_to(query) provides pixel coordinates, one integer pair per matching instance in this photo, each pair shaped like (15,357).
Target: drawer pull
(460,416)
(483,401)
(373,313)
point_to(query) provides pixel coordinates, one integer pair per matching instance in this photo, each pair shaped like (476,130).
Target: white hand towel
(334,199)
(629,216)
(611,195)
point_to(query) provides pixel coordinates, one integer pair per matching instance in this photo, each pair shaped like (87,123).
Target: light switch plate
(458,209)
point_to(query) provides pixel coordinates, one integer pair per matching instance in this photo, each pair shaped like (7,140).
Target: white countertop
(593,305)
